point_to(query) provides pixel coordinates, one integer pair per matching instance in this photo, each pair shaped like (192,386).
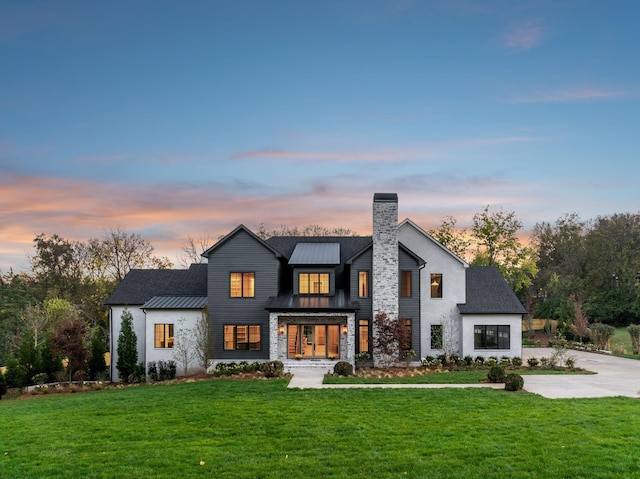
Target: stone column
(385,258)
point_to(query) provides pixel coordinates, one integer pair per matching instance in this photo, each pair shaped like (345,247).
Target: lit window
(363,335)
(363,284)
(405,334)
(436,336)
(436,285)
(163,336)
(242,338)
(242,285)
(405,288)
(313,283)
(491,337)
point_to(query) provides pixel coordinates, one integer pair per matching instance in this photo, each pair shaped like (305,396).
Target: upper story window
(436,285)
(313,283)
(405,284)
(363,284)
(242,285)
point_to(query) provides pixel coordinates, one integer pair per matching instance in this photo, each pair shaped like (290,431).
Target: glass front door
(310,341)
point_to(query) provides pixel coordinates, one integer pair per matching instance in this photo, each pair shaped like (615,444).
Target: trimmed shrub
(479,360)
(513,382)
(601,334)
(273,369)
(533,362)
(468,360)
(138,375)
(152,371)
(496,374)
(516,362)
(343,368)
(40,378)
(634,332)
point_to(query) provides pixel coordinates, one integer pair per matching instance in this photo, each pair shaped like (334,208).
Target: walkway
(616,377)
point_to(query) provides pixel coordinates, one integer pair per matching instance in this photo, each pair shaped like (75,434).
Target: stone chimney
(385,256)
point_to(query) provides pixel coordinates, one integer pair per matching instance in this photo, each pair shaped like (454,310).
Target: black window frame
(249,343)
(436,337)
(480,336)
(242,274)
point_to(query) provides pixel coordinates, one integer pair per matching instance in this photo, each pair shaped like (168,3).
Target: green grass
(249,429)
(621,341)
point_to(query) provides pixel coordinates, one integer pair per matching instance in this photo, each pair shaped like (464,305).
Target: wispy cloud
(524,36)
(327,156)
(413,153)
(573,95)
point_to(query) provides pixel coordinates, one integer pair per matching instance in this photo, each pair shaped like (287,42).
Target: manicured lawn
(248,429)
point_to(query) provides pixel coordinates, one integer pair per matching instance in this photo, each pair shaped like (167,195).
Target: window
(363,335)
(436,285)
(436,336)
(313,283)
(405,281)
(405,334)
(363,284)
(491,337)
(242,338)
(163,336)
(242,285)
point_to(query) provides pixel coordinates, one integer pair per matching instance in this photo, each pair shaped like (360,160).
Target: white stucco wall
(181,319)
(515,340)
(437,310)
(138,328)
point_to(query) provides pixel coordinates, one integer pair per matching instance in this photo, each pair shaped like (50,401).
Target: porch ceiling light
(434,283)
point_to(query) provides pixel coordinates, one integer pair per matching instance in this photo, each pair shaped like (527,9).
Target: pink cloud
(575,95)
(167,214)
(524,36)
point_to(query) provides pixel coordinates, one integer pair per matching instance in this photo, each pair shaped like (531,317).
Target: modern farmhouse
(313,299)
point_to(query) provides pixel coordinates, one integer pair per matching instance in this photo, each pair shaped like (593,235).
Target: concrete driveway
(616,376)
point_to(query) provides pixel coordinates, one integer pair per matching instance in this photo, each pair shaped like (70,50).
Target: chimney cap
(385,197)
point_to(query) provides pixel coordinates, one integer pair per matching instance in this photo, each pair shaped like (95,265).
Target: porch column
(274,337)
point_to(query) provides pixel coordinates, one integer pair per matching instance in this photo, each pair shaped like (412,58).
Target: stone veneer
(385,258)
(278,342)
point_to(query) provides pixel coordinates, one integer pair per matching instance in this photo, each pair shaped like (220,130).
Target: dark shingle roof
(140,285)
(176,302)
(294,302)
(349,245)
(489,293)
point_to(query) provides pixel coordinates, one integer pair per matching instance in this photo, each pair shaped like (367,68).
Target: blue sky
(176,119)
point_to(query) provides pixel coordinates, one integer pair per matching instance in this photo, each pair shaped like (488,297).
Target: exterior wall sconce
(344,329)
(281,329)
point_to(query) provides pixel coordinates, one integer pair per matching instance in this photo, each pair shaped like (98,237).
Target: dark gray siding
(409,308)
(241,253)
(362,263)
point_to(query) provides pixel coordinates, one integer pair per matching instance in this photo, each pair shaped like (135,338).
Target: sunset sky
(176,119)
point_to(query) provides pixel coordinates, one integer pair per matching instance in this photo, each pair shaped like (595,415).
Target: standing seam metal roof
(176,302)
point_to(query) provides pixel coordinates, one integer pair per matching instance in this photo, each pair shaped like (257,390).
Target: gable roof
(407,221)
(349,245)
(140,285)
(489,293)
(239,228)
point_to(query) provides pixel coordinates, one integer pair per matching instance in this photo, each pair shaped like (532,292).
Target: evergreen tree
(97,364)
(127,347)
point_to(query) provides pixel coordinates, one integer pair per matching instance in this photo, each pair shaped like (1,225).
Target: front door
(311,341)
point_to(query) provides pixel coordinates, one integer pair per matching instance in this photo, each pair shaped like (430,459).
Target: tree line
(574,271)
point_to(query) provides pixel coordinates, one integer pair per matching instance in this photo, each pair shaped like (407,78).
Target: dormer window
(313,283)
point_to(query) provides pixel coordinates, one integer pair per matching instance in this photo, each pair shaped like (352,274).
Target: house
(313,299)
